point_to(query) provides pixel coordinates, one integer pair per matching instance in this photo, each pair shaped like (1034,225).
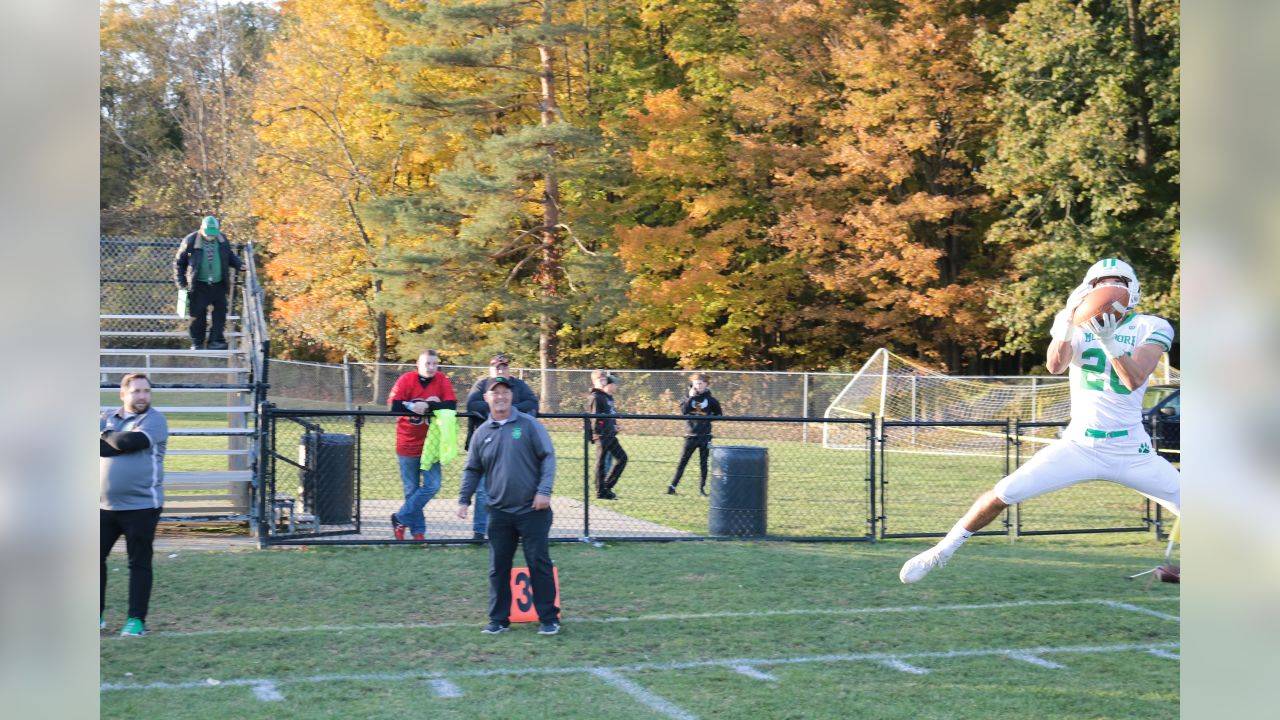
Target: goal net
(896,389)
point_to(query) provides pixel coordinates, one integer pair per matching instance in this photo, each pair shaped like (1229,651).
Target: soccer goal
(893,389)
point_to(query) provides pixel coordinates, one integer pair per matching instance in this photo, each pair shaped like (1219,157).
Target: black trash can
(739,490)
(328,476)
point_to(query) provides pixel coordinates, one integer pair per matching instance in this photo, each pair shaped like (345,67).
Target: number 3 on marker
(524,596)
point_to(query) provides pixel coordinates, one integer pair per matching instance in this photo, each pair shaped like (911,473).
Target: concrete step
(215,451)
(173,370)
(182,318)
(187,409)
(205,479)
(206,432)
(156,333)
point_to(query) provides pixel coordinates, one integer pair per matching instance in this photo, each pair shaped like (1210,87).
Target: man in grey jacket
(131,445)
(513,453)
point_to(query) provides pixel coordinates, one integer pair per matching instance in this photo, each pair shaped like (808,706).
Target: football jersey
(1099,400)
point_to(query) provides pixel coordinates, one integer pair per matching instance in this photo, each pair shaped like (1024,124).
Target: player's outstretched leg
(984,510)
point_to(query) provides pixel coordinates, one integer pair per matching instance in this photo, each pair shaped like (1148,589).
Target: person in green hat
(202,268)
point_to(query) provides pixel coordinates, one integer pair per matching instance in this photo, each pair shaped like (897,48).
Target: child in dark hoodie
(698,435)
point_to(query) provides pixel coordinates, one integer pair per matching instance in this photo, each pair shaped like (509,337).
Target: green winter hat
(209,226)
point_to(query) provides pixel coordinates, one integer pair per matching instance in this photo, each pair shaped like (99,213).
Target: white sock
(953,540)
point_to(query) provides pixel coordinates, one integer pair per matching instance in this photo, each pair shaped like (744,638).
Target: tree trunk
(549,266)
(1138,88)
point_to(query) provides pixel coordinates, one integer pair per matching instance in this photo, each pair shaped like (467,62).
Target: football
(1105,298)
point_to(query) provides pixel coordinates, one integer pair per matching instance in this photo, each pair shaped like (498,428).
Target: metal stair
(209,397)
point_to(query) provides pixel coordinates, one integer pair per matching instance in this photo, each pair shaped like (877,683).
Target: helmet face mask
(1116,268)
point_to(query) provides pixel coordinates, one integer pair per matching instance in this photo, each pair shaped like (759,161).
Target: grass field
(1042,628)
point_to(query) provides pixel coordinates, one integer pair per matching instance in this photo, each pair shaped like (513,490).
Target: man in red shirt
(419,393)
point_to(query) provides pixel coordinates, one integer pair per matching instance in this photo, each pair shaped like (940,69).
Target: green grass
(259,616)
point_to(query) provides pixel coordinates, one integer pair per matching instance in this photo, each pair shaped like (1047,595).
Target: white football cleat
(916,568)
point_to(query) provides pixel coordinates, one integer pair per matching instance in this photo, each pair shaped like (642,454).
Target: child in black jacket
(698,436)
(604,433)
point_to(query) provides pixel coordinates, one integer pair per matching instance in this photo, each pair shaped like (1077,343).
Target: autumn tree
(176,87)
(329,149)
(496,241)
(1086,153)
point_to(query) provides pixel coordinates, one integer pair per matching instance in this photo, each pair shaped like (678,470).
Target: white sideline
(638,667)
(753,673)
(685,616)
(655,703)
(1164,654)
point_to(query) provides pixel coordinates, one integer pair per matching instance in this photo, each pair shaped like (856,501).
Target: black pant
(505,530)
(605,446)
(139,530)
(702,443)
(201,296)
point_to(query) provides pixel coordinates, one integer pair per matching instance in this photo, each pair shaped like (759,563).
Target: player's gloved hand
(1076,297)
(1062,329)
(1104,328)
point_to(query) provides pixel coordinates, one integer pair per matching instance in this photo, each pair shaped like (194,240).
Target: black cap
(499,380)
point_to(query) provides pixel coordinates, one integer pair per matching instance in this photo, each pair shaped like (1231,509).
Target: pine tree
(493,227)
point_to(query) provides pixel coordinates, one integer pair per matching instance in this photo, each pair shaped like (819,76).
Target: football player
(1110,359)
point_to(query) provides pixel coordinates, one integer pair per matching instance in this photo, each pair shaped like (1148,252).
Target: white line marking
(753,673)
(267,692)
(1036,660)
(676,616)
(728,663)
(445,689)
(1137,609)
(897,664)
(1164,654)
(654,702)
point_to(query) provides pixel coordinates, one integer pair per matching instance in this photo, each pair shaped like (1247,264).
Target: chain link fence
(333,476)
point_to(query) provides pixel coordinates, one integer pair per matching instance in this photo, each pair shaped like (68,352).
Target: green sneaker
(102,621)
(133,628)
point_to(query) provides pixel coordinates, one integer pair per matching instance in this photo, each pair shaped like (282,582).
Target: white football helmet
(1113,267)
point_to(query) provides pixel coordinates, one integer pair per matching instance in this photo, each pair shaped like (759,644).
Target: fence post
(586,479)
(804,410)
(1034,397)
(347,382)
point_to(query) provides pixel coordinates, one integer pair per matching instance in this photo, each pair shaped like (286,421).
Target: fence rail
(332,476)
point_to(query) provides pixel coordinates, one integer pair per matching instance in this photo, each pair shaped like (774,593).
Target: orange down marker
(522,609)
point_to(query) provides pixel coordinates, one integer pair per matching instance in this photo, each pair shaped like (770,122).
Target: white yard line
(900,666)
(609,672)
(1164,654)
(267,692)
(658,704)
(1037,661)
(1137,609)
(445,689)
(676,616)
(752,673)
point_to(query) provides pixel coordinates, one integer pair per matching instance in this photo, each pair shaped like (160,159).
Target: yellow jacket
(441,444)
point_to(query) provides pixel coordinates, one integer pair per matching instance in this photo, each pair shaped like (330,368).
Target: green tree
(1086,153)
(497,243)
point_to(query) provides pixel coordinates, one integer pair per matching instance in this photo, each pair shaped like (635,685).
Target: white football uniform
(1105,439)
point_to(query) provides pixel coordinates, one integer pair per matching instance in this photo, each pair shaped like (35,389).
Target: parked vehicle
(1163,418)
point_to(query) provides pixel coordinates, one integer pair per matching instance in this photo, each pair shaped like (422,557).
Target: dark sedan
(1163,418)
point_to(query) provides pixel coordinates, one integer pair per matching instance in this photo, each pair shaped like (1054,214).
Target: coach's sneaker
(133,628)
(493,628)
(671,489)
(916,568)
(398,527)
(550,628)
(102,622)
